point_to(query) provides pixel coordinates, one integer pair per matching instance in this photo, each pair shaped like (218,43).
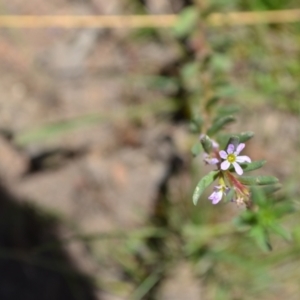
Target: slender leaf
(278,229)
(196,124)
(253,165)
(270,189)
(203,184)
(258,196)
(226,91)
(246,218)
(219,124)
(211,102)
(228,110)
(186,22)
(220,62)
(52,130)
(147,284)
(245,136)
(189,70)
(206,143)
(194,128)
(233,140)
(162,82)
(196,149)
(258,180)
(260,236)
(189,74)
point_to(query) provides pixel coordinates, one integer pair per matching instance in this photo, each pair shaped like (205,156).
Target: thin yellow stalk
(138,21)
(252,18)
(88,21)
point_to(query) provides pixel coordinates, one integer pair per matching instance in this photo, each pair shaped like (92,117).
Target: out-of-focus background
(92,142)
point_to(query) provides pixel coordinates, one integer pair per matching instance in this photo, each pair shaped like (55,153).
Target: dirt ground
(97,178)
(101,177)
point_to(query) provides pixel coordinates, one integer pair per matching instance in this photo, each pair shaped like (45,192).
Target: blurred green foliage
(267,4)
(240,64)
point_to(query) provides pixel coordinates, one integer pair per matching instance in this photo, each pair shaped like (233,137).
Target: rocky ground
(98,178)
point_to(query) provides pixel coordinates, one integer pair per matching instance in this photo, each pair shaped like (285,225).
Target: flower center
(231,158)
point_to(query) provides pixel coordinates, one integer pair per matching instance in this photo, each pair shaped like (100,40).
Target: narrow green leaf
(189,70)
(203,184)
(147,284)
(283,209)
(258,180)
(189,74)
(222,292)
(220,62)
(234,140)
(247,218)
(245,136)
(186,22)
(211,102)
(196,124)
(258,196)
(253,165)
(206,143)
(52,130)
(278,229)
(260,236)
(193,128)
(222,139)
(196,149)
(228,110)
(261,194)
(270,189)
(162,82)
(219,123)
(226,90)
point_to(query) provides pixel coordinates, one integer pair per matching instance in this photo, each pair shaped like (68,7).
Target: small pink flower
(232,158)
(209,159)
(219,191)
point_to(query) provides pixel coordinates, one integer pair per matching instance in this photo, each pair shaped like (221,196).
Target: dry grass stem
(154,21)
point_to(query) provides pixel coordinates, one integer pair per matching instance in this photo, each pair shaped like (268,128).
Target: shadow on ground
(33,262)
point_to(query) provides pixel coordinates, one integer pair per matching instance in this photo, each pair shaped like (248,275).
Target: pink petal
(212,196)
(223,154)
(214,161)
(215,145)
(237,168)
(217,200)
(225,165)
(211,161)
(216,197)
(243,158)
(239,148)
(230,148)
